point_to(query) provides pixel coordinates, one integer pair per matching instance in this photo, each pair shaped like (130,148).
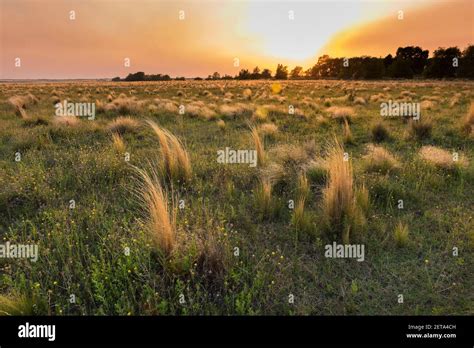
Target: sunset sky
(213,33)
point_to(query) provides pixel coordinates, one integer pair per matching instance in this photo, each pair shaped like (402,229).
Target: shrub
(379,132)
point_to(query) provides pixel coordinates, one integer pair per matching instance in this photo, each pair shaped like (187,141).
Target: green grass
(236,258)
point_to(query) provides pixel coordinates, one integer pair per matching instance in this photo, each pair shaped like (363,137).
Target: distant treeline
(409,62)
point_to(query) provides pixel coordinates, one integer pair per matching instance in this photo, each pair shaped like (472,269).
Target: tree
(266,74)
(466,67)
(216,76)
(296,73)
(139,76)
(387,61)
(442,64)
(415,56)
(255,74)
(400,68)
(244,75)
(281,72)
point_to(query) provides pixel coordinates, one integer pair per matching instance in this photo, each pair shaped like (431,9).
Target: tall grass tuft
(341,212)
(175,162)
(348,138)
(161,219)
(401,234)
(261,158)
(263,198)
(420,129)
(118,143)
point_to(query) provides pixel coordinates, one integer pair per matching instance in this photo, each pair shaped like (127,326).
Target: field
(133,213)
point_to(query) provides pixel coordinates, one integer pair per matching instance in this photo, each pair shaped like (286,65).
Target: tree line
(409,62)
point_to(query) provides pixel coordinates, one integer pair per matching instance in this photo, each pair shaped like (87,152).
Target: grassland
(222,238)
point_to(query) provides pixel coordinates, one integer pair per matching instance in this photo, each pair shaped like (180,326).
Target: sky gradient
(213,33)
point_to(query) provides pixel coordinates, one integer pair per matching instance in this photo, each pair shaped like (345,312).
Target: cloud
(437,25)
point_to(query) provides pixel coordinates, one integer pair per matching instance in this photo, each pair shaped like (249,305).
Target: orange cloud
(438,25)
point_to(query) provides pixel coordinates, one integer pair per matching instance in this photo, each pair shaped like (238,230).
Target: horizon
(155,37)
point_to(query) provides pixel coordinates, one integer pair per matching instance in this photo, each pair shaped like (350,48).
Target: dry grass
(379,132)
(235,110)
(21,103)
(260,114)
(122,125)
(161,219)
(302,187)
(268,129)
(441,158)
(263,198)
(338,195)
(201,111)
(247,93)
(261,157)
(175,163)
(360,101)
(348,138)
(400,234)
(420,129)
(125,105)
(221,124)
(468,124)
(118,143)
(378,159)
(66,121)
(341,112)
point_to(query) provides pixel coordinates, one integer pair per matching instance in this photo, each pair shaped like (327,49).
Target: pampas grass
(161,219)
(67,121)
(175,163)
(122,125)
(258,146)
(468,123)
(340,210)
(348,138)
(263,198)
(302,187)
(341,112)
(118,143)
(441,158)
(378,159)
(268,129)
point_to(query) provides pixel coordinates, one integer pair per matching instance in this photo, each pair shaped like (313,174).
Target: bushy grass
(231,238)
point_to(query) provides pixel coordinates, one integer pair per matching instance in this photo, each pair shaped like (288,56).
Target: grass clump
(379,132)
(175,162)
(340,211)
(400,234)
(161,219)
(378,159)
(420,129)
(122,125)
